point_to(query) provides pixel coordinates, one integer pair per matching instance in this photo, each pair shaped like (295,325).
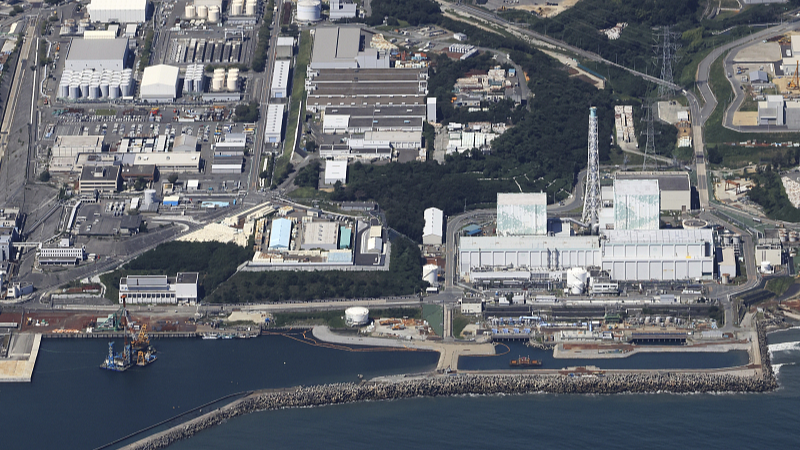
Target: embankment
(436,386)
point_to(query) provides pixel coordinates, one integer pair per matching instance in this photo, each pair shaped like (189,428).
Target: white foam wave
(783,347)
(776,368)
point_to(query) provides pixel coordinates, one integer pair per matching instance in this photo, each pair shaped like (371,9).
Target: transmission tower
(650,145)
(666,49)
(591,200)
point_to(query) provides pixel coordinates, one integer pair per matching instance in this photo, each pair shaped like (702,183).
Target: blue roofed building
(472,230)
(281,234)
(345,238)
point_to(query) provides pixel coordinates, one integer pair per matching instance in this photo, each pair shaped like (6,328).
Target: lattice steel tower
(591,201)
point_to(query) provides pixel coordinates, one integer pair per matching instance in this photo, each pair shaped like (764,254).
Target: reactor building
(522,214)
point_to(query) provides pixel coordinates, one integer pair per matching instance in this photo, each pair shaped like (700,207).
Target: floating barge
(525,361)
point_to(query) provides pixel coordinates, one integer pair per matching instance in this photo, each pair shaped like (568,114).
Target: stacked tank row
(89,84)
(194,79)
(209,13)
(220,82)
(244,7)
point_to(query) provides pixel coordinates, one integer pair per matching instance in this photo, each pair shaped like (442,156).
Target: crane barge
(140,344)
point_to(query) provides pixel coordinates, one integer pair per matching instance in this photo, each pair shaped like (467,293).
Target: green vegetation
(283,166)
(106,112)
(215,262)
(770,194)
(335,319)
(459,322)
(779,285)
(260,53)
(429,134)
(718,314)
(413,12)
(308,176)
(44,177)
(43,58)
(144,60)
(246,112)
(402,278)
(173,178)
(434,314)
(140,184)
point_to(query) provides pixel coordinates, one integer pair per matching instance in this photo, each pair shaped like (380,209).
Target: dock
(23,351)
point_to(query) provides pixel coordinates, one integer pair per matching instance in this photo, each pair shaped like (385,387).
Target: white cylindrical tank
(94,91)
(233,82)
(219,71)
(250,8)
(63,90)
(202,11)
(190,11)
(308,10)
(236,8)
(576,280)
(125,88)
(356,316)
(104,88)
(213,14)
(217,83)
(74,91)
(430,273)
(113,90)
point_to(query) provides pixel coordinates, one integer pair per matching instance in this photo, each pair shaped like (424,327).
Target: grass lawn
(434,314)
(459,322)
(106,112)
(333,319)
(298,93)
(779,285)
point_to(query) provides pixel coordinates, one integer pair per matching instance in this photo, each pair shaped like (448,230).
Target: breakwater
(758,377)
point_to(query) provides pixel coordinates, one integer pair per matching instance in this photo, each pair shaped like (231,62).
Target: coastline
(756,377)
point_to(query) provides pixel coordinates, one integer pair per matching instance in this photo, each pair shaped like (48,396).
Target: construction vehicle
(794,83)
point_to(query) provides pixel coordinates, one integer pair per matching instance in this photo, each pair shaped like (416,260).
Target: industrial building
(675,190)
(346,152)
(97,54)
(339,120)
(185,143)
(232,165)
(122,11)
(433,231)
(61,255)
(335,171)
(386,139)
(159,289)
(627,255)
(343,9)
(431,109)
(5,247)
(71,146)
(280,234)
(636,205)
(284,47)
(726,259)
(771,110)
(280,79)
(159,83)
(374,239)
(273,131)
(521,214)
(321,235)
(147,172)
(102,179)
(337,47)
(769,251)
(232,141)
(170,162)
(366,88)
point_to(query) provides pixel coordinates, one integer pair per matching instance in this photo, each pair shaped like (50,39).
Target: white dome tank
(308,10)
(430,273)
(213,14)
(576,280)
(356,316)
(236,8)
(202,11)
(190,11)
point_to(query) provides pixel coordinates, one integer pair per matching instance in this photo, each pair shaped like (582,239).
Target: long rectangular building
(376,118)
(280,79)
(170,162)
(674,188)
(159,289)
(627,255)
(366,88)
(274,126)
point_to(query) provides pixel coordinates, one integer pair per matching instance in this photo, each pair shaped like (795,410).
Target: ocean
(73,404)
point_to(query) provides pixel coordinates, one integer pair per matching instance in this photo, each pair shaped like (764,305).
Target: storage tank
(236,8)
(113,90)
(576,280)
(190,11)
(202,11)
(217,83)
(125,88)
(726,278)
(104,88)
(63,90)
(356,316)
(74,91)
(94,91)
(213,14)
(308,10)
(233,81)
(250,8)
(430,273)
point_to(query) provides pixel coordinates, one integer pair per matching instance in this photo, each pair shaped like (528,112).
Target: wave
(776,368)
(783,347)
(784,329)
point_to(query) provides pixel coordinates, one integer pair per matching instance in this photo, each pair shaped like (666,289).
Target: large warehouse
(674,188)
(280,79)
(340,48)
(274,126)
(627,255)
(97,54)
(366,88)
(522,214)
(123,11)
(159,83)
(338,120)
(433,230)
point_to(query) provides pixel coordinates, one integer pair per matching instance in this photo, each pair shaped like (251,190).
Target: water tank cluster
(243,7)
(220,81)
(209,13)
(308,10)
(89,84)
(194,79)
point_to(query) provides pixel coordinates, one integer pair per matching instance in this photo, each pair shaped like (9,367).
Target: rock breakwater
(748,380)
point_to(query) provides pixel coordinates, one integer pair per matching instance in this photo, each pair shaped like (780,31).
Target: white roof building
(170,162)
(159,83)
(280,79)
(335,171)
(274,125)
(434,227)
(124,11)
(97,54)
(521,214)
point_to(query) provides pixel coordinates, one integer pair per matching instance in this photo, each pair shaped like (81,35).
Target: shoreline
(757,377)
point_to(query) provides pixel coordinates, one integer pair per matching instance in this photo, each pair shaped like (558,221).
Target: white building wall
(125,11)
(521,214)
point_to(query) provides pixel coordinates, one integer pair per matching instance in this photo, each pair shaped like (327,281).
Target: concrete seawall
(757,378)
(20,370)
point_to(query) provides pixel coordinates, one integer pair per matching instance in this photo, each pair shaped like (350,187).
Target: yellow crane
(794,83)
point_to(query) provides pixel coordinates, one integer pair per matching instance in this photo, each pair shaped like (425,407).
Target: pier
(22,354)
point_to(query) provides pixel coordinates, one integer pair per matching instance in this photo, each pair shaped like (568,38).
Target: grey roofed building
(759,76)
(675,190)
(97,54)
(130,224)
(185,143)
(336,47)
(99,178)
